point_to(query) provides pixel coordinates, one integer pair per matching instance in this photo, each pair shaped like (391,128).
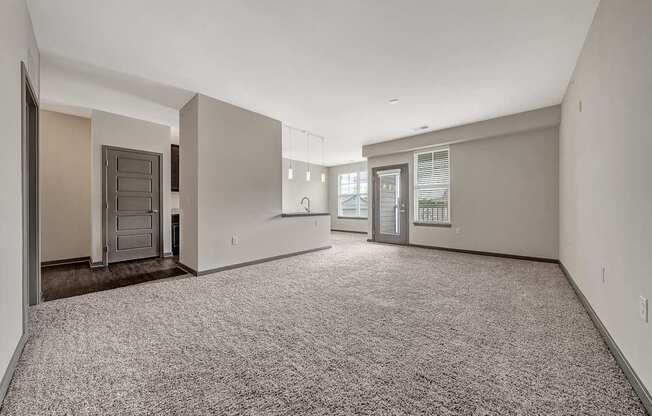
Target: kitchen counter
(304,214)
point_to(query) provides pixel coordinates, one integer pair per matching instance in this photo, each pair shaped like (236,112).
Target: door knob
(153,211)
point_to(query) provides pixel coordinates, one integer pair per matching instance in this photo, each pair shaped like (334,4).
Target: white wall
(239,188)
(119,131)
(298,187)
(504,193)
(17,43)
(605,174)
(344,224)
(65,186)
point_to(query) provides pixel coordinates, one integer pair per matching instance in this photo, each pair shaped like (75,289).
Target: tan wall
(605,175)
(65,169)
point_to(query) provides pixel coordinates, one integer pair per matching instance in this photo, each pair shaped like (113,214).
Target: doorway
(132,200)
(390,204)
(30,161)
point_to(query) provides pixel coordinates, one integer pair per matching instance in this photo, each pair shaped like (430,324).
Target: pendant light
(323,174)
(290,169)
(308,157)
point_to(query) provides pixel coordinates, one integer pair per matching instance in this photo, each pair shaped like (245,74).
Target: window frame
(415,187)
(356,193)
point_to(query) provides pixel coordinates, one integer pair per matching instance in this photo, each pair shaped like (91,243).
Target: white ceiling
(328,66)
(76,88)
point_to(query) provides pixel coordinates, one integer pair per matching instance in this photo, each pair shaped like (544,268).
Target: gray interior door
(391,202)
(31,227)
(133,190)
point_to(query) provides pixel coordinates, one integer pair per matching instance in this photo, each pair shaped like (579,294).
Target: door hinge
(106,162)
(106,249)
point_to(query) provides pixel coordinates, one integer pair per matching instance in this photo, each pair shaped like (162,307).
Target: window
(432,187)
(352,195)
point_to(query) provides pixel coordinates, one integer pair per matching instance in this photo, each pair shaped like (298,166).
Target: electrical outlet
(458,230)
(234,240)
(642,309)
(315,223)
(604,279)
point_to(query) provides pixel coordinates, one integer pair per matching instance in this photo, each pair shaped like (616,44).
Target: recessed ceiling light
(393,101)
(421,128)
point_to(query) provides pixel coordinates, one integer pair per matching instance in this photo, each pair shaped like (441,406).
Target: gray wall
(343,224)
(605,173)
(501,126)
(17,43)
(504,194)
(120,131)
(188,160)
(298,187)
(239,189)
(65,186)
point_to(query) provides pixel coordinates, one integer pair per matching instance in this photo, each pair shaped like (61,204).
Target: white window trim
(415,206)
(339,194)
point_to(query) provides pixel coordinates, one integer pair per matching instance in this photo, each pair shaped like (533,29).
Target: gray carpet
(358,329)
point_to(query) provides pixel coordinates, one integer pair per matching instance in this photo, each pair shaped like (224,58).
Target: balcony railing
(432,214)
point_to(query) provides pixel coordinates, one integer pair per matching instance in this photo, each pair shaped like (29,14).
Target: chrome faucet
(305,198)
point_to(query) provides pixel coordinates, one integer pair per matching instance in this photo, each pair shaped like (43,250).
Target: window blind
(432,187)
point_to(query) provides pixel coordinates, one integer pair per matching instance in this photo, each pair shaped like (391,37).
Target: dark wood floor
(77,279)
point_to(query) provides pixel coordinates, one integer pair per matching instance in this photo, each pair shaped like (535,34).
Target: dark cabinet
(174,154)
(175,234)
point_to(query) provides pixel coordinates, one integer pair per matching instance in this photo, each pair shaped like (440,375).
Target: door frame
(105,205)
(30,196)
(405,196)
